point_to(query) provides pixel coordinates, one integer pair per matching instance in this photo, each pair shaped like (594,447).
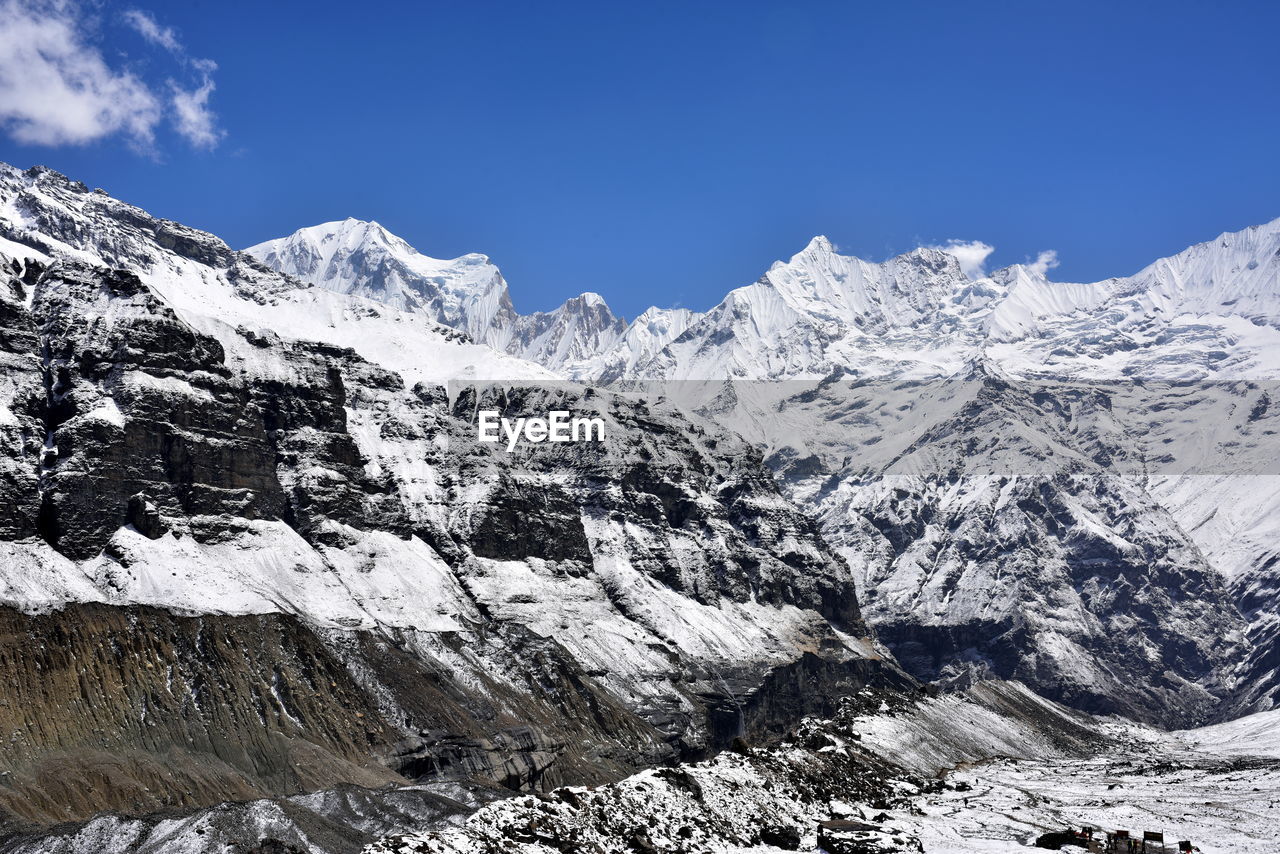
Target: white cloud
(150,29)
(192,117)
(57,90)
(56,87)
(971,254)
(1044,262)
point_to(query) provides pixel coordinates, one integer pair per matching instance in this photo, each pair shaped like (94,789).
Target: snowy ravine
(990,770)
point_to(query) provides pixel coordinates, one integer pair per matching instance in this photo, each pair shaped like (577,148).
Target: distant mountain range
(1140,591)
(1208,311)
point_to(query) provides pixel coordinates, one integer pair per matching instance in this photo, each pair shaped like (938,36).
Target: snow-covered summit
(352,256)
(467,293)
(821,311)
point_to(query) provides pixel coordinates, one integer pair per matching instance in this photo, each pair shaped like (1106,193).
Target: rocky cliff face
(1003,531)
(242,564)
(1015,468)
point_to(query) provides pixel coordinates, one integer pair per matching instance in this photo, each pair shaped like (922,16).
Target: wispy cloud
(971,254)
(191,114)
(1044,262)
(57,87)
(151,30)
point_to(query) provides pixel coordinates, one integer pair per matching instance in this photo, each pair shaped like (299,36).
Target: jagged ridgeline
(250,546)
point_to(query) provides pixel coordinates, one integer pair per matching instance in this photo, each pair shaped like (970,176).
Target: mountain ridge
(819,309)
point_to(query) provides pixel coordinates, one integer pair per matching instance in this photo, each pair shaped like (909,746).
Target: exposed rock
(265,566)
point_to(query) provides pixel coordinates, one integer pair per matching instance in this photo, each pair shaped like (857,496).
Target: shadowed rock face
(1009,537)
(138,710)
(247,566)
(107,405)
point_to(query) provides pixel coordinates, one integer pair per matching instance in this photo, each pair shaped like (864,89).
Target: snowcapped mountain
(844,346)
(267,461)
(220,291)
(821,311)
(579,340)
(253,546)
(363,258)
(944,429)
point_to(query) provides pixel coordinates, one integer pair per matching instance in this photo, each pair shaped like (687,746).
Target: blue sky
(666,152)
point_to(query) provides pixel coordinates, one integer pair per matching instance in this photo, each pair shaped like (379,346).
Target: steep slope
(241,565)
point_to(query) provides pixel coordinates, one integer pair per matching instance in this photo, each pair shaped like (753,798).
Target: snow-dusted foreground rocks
(986,771)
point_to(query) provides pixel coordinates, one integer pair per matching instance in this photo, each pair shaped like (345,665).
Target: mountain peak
(348,228)
(820,243)
(362,257)
(589,298)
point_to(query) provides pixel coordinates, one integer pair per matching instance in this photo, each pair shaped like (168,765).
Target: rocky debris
(781,836)
(822,785)
(332,821)
(992,767)
(840,836)
(728,801)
